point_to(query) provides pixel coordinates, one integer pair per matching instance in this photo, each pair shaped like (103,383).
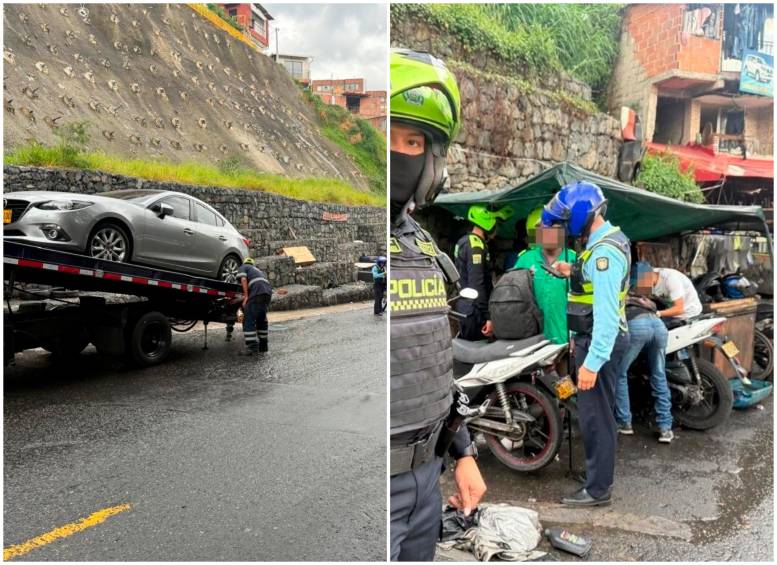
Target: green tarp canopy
(642,215)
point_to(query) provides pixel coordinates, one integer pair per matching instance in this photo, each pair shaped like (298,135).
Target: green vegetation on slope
(581,39)
(356,137)
(71,152)
(661,174)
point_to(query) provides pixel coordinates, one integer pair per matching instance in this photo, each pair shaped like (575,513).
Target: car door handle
(222,238)
(188,231)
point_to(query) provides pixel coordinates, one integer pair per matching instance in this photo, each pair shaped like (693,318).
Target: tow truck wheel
(150,340)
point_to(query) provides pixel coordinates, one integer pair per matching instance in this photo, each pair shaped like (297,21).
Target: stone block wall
(514,126)
(334,232)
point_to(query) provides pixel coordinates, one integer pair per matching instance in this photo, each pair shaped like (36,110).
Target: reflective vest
(580,302)
(421,352)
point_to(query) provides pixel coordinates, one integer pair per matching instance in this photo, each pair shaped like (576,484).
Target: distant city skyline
(345,40)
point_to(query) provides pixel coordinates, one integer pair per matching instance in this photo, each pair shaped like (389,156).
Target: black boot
(263,345)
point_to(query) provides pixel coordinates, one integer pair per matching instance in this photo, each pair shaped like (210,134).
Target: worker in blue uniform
(596,314)
(257,292)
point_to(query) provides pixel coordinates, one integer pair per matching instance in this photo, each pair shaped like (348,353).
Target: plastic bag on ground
(502,531)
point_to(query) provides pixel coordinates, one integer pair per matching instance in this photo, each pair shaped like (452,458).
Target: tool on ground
(563,539)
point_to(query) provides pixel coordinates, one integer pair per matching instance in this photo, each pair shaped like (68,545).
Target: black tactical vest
(580,302)
(420,352)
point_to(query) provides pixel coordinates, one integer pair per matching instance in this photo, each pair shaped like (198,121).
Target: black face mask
(405,172)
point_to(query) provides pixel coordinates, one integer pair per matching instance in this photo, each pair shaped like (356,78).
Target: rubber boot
(263,345)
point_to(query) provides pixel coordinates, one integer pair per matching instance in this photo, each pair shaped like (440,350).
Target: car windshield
(134,196)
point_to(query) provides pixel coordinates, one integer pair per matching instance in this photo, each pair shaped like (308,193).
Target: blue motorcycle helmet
(381,260)
(575,206)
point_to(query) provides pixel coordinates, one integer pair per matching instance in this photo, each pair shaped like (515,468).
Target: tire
(149,340)
(111,242)
(764,318)
(228,269)
(720,403)
(547,412)
(763,357)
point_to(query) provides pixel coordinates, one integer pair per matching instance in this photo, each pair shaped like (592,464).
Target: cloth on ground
(510,533)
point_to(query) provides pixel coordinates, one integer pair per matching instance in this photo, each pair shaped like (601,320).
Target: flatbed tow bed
(139,328)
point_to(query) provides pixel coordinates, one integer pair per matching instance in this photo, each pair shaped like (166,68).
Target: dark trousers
(379,290)
(255,322)
(471,326)
(596,408)
(416,512)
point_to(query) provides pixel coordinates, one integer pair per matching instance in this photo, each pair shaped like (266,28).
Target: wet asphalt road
(220,457)
(706,497)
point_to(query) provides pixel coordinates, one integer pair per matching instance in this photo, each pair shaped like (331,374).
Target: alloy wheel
(109,243)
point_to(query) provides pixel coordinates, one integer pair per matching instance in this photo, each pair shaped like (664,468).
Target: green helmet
(248,261)
(532,221)
(424,95)
(485,218)
(424,90)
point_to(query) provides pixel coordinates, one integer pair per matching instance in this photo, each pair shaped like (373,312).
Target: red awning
(709,167)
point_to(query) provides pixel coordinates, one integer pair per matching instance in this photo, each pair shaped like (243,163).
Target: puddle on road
(742,492)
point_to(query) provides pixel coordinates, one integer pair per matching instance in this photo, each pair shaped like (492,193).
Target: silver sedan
(152,227)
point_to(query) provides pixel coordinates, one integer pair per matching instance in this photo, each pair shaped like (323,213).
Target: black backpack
(512,307)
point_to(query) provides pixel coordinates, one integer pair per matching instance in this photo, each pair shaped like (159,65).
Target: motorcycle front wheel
(542,439)
(715,407)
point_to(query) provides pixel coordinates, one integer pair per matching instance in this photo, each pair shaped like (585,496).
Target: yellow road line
(62,532)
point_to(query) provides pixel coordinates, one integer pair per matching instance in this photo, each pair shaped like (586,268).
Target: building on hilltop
(254,19)
(700,77)
(349,93)
(298,66)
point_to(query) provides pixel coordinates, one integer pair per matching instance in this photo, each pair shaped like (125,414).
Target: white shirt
(675,285)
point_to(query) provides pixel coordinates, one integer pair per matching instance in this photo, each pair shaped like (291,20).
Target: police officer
(425,113)
(474,266)
(596,314)
(257,292)
(379,285)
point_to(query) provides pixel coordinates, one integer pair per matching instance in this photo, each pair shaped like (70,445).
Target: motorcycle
(512,392)
(701,395)
(713,287)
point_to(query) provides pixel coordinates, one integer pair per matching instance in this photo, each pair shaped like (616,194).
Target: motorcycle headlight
(63,204)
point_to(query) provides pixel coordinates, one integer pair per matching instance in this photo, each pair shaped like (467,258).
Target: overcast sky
(345,40)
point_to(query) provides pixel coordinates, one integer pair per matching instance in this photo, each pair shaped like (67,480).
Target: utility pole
(277,29)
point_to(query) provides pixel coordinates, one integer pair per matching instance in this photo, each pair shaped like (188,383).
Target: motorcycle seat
(482,351)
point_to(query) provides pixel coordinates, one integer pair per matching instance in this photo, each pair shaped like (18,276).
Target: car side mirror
(163,210)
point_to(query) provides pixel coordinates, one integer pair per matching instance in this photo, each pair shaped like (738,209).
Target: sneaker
(666,436)
(625,429)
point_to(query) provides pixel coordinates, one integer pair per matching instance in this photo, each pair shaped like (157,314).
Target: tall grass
(234,175)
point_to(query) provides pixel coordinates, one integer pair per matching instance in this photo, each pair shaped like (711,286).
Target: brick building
(254,19)
(680,67)
(349,93)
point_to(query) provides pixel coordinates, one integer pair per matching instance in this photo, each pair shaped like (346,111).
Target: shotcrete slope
(157,81)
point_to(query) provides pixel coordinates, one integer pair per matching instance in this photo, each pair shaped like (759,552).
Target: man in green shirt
(550,291)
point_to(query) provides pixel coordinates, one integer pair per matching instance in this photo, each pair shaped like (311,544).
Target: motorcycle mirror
(468,293)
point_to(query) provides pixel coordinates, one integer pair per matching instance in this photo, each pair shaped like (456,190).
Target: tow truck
(123,309)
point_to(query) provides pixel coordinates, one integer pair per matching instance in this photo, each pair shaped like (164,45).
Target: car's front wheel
(110,242)
(228,269)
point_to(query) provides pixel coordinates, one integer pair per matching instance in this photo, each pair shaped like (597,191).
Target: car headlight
(63,204)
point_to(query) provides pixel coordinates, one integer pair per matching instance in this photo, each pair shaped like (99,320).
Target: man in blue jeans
(646,332)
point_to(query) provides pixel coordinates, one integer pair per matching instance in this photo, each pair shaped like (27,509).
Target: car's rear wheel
(228,269)
(109,241)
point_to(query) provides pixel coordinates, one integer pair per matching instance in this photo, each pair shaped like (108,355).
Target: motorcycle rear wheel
(717,404)
(763,357)
(543,437)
